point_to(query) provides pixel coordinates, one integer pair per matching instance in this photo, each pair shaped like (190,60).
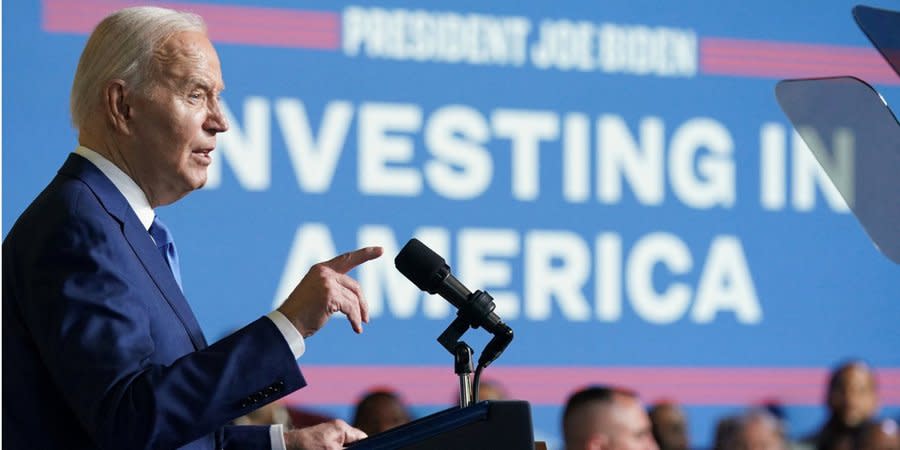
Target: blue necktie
(166,246)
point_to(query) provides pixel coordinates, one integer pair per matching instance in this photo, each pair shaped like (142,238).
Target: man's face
(175,120)
(381,414)
(630,427)
(391,414)
(853,400)
(761,434)
(670,427)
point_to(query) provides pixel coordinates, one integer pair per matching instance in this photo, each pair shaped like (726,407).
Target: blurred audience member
(777,409)
(759,430)
(756,429)
(491,390)
(605,418)
(277,413)
(301,418)
(379,411)
(851,401)
(272,414)
(669,426)
(726,430)
(878,435)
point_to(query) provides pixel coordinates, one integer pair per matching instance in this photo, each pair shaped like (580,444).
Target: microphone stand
(477,311)
(462,357)
(463,366)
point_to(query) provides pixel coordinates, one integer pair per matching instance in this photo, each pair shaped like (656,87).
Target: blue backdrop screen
(617,175)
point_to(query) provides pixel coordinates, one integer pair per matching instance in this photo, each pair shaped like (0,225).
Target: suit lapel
(156,266)
(139,240)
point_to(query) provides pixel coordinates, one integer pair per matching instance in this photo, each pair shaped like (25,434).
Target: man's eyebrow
(203,83)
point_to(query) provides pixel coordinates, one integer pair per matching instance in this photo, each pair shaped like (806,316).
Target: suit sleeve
(93,331)
(247,437)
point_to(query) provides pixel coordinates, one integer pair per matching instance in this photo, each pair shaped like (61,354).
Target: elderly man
(100,348)
(604,418)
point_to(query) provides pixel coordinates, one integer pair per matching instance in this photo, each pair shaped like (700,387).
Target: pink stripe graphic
(430,385)
(787,60)
(322,30)
(229,24)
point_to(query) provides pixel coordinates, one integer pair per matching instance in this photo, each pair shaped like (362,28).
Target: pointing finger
(347,261)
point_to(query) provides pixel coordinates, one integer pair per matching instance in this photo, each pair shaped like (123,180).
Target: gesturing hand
(332,435)
(327,289)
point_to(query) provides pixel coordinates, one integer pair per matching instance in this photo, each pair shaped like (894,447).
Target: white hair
(122,47)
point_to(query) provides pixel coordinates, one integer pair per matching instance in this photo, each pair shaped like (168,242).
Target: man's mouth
(203,155)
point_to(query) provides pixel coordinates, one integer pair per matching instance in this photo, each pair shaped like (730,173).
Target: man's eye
(196,95)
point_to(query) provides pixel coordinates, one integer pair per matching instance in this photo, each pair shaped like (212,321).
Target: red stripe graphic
(227,24)
(787,60)
(431,385)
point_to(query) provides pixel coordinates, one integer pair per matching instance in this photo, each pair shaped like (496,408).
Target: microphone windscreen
(421,265)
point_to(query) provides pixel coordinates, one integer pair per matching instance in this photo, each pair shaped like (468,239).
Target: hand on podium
(331,435)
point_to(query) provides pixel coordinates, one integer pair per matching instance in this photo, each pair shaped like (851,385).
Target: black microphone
(430,273)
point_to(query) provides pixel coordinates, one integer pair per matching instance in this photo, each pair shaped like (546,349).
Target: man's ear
(598,441)
(117,106)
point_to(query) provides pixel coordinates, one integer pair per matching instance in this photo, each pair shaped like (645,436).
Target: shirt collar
(137,199)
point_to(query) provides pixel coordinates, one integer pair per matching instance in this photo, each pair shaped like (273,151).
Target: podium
(486,425)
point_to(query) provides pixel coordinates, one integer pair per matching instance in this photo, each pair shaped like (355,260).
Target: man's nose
(216,122)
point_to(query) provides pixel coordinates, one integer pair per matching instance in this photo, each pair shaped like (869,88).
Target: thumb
(352,435)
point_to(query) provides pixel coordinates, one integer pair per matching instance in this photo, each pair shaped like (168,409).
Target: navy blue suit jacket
(100,348)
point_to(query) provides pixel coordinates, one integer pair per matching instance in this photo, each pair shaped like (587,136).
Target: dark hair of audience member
(606,416)
(669,425)
(379,411)
(755,429)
